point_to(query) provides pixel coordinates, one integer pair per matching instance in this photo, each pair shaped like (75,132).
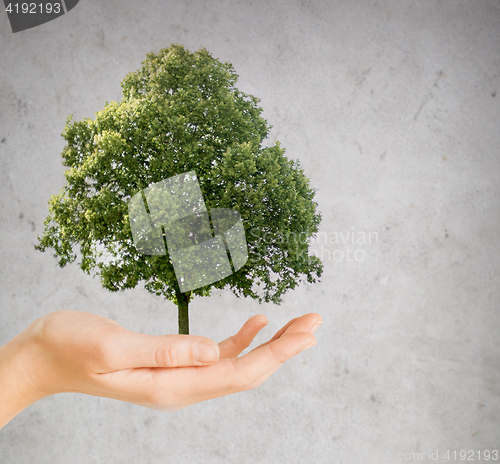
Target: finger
(167,388)
(263,361)
(233,346)
(127,349)
(306,323)
(280,332)
(239,374)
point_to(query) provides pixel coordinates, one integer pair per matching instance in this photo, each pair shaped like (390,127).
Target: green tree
(180,112)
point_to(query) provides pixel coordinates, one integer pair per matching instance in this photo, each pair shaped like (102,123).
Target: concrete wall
(393,109)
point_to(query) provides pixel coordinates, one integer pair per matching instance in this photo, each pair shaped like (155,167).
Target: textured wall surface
(393,109)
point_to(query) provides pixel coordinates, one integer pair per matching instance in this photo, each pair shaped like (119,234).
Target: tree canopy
(182,112)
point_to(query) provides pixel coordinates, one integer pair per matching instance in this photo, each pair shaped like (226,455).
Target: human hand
(73,351)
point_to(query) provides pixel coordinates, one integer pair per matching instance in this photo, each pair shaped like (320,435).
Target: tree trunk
(182,305)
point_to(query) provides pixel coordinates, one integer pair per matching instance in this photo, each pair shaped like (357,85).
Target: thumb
(133,350)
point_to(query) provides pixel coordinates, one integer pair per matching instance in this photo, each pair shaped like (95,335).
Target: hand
(73,351)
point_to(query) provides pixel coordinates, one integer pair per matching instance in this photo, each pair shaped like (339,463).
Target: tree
(181,112)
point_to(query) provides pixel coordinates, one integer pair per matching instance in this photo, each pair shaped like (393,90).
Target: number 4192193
(471,455)
(33,8)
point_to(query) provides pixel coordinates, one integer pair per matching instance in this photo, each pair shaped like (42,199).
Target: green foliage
(181,111)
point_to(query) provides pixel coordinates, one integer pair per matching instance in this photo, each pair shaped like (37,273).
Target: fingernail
(309,345)
(316,326)
(205,352)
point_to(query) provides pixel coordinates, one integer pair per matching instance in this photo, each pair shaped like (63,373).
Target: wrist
(19,383)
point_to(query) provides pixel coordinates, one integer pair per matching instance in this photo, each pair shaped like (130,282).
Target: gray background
(393,109)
